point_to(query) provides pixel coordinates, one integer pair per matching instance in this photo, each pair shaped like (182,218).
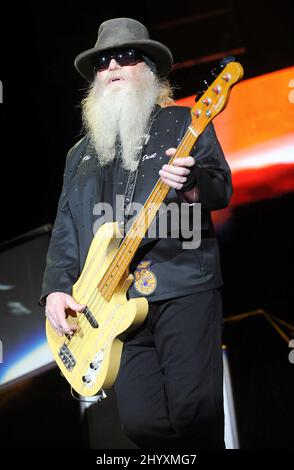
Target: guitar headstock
(215,98)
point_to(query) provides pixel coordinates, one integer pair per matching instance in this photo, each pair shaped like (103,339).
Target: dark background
(40,121)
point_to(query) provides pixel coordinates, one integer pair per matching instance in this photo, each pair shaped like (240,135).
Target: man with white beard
(120,103)
(169,385)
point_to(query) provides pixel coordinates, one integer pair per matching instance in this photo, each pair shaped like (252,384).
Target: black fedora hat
(124,32)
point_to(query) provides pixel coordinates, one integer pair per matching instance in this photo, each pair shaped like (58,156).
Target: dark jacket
(177,271)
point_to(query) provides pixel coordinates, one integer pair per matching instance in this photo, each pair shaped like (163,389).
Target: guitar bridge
(67,357)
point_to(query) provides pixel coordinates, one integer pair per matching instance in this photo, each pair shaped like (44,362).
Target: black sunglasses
(122,56)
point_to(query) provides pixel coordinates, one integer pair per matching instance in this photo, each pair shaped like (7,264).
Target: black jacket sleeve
(211,171)
(62,267)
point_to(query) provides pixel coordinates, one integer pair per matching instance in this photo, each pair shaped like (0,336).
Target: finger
(65,327)
(172,177)
(50,318)
(171,151)
(171,183)
(71,303)
(61,321)
(185,161)
(176,170)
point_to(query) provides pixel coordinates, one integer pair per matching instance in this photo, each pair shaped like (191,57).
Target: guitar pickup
(90,317)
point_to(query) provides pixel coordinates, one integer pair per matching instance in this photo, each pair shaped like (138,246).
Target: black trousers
(170,383)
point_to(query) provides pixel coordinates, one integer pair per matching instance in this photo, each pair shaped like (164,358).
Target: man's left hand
(176,175)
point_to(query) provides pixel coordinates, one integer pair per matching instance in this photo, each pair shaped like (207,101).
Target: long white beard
(112,115)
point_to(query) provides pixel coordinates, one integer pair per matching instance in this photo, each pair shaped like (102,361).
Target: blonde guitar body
(90,359)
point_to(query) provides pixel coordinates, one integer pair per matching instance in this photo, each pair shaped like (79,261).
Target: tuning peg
(226,60)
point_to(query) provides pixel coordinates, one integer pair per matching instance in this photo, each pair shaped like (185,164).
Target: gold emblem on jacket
(145,279)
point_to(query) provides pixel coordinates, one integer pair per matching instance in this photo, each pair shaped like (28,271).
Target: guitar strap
(128,197)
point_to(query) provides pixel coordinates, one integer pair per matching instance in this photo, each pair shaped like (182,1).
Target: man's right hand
(55,311)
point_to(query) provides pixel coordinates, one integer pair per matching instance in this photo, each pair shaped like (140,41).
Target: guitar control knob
(94,365)
(86,379)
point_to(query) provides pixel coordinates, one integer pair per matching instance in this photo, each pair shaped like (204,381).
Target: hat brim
(156,51)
